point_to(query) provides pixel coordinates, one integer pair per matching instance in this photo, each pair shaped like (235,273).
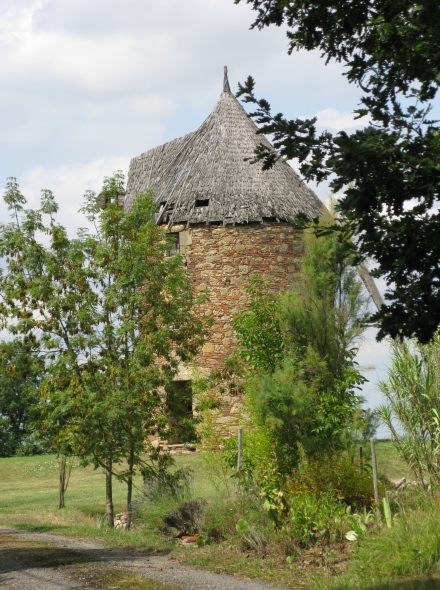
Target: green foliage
(388,169)
(336,475)
(387,512)
(112,316)
(21,371)
(396,555)
(316,519)
(253,537)
(305,378)
(240,519)
(367,424)
(258,328)
(176,484)
(315,502)
(413,407)
(358,522)
(285,404)
(165,503)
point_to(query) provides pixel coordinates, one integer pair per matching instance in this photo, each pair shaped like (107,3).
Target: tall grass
(385,558)
(412,411)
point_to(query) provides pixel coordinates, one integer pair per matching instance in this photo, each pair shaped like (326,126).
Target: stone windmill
(230,218)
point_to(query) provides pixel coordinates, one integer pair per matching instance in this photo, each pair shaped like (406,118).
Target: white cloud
(334,120)
(80,78)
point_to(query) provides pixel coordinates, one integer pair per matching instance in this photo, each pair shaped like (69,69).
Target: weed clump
(185,518)
(162,493)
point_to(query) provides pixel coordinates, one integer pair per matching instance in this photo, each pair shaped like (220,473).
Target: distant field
(389,463)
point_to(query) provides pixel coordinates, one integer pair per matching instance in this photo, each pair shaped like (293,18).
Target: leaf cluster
(21,371)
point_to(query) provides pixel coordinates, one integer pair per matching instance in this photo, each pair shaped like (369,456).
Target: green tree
(388,170)
(20,374)
(306,378)
(113,316)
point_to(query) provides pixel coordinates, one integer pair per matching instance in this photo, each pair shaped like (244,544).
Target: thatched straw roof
(204,177)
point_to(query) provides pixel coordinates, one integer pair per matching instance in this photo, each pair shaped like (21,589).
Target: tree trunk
(130,490)
(109,493)
(62,485)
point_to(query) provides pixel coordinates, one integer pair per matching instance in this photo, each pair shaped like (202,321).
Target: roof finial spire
(226,87)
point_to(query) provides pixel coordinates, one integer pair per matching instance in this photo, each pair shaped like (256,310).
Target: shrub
(313,518)
(397,557)
(334,475)
(161,494)
(175,484)
(413,403)
(187,518)
(221,520)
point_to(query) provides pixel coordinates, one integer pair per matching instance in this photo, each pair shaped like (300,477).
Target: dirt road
(40,561)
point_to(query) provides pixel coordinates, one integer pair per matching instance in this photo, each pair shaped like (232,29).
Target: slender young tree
(301,346)
(113,316)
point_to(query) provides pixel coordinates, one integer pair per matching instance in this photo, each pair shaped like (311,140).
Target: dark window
(173,244)
(202,202)
(180,412)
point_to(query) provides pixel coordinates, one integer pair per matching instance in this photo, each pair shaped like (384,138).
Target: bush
(313,518)
(413,403)
(186,518)
(175,484)
(221,520)
(397,557)
(161,494)
(334,475)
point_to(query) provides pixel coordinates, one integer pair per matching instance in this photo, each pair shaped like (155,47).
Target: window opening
(173,244)
(202,202)
(179,401)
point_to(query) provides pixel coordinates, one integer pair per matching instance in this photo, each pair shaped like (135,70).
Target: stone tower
(230,218)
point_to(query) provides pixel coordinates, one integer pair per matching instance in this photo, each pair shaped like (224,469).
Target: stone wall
(222,259)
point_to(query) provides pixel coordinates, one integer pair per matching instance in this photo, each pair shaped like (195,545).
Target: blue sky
(88,85)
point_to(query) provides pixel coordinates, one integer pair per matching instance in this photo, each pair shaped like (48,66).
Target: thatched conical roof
(204,177)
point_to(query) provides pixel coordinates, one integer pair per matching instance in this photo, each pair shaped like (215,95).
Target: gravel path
(41,561)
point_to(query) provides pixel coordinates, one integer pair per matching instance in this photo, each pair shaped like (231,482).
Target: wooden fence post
(239,458)
(374,464)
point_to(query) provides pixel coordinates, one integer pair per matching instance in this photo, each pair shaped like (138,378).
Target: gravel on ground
(42,561)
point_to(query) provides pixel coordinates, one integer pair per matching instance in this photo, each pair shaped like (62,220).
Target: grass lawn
(29,500)
(390,464)
(29,491)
